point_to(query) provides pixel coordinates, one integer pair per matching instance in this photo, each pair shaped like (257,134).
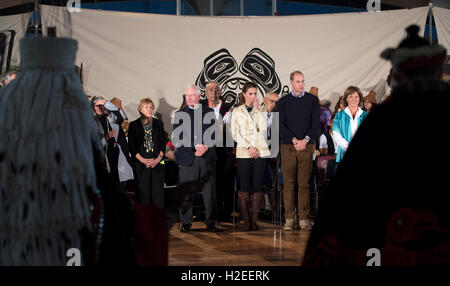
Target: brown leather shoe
(305,224)
(289,225)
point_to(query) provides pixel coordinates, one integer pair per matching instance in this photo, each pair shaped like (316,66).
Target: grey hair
(197,89)
(269,93)
(211,83)
(94,99)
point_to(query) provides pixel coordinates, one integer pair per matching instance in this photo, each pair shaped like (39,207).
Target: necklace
(148,137)
(148,142)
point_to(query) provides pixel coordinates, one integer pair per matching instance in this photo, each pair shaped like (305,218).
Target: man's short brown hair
(291,77)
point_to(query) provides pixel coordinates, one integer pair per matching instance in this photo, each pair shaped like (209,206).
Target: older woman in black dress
(147,144)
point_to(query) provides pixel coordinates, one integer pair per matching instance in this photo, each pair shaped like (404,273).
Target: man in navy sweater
(299,124)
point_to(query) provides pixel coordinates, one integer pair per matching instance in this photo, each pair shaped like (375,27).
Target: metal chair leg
(234,206)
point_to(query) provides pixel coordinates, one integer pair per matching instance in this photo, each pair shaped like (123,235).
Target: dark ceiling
(362,4)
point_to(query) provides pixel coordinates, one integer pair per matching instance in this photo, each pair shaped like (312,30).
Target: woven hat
(414,52)
(117,102)
(314,90)
(371,97)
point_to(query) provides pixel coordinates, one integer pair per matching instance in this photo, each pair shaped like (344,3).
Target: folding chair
(322,180)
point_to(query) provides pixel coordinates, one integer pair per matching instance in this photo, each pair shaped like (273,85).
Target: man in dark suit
(225,165)
(193,135)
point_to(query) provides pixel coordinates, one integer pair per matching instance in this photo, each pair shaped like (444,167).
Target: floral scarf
(148,137)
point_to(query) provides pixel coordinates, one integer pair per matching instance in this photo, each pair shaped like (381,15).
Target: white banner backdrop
(133,55)
(18,24)
(442,20)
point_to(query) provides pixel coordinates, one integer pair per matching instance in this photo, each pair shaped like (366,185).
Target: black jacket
(136,138)
(185,154)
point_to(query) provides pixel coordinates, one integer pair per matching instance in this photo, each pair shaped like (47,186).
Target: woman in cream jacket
(248,126)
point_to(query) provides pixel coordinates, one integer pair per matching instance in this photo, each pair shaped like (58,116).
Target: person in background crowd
(369,101)
(327,151)
(269,104)
(325,114)
(347,121)
(225,158)
(125,163)
(125,124)
(147,144)
(248,125)
(107,133)
(340,105)
(299,125)
(327,143)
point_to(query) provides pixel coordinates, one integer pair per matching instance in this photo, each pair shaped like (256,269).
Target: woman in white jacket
(248,126)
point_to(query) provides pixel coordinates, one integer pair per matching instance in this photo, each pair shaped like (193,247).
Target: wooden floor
(269,246)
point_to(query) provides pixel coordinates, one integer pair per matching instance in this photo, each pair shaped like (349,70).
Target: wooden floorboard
(269,246)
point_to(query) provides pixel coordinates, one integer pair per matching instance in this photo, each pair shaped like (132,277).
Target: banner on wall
(442,20)
(134,55)
(12,29)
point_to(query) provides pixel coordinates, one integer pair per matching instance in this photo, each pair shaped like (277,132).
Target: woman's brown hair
(351,90)
(247,86)
(338,104)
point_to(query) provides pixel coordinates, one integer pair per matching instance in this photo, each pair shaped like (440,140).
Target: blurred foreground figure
(47,147)
(403,212)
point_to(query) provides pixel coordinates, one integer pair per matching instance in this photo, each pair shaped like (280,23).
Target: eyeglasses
(98,105)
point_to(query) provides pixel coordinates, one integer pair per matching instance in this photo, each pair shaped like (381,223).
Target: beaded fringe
(46,167)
